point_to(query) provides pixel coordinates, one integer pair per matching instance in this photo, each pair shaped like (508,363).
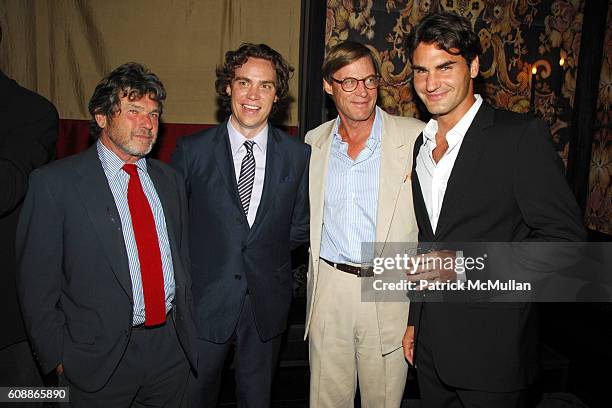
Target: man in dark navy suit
(247,186)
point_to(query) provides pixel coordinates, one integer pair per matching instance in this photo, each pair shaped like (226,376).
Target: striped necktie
(247,177)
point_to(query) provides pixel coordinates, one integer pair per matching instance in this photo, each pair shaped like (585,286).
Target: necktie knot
(248,145)
(130,169)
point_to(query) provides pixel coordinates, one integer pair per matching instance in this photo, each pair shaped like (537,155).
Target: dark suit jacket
(227,256)
(28,132)
(507,185)
(74,280)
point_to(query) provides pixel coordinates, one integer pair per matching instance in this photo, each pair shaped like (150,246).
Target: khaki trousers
(345,348)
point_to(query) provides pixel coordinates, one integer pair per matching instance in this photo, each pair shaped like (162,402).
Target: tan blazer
(395,219)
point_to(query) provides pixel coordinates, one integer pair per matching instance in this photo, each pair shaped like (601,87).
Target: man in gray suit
(102,257)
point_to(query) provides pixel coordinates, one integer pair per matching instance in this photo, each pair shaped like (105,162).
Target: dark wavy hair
(345,53)
(235,59)
(449,32)
(130,79)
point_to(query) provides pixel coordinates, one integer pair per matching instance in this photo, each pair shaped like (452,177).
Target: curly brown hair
(235,59)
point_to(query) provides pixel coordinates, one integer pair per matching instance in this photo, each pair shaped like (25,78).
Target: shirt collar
(459,130)
(375,133)
(112,164)
(237,139)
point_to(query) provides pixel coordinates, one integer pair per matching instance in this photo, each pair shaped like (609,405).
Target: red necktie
(149,255)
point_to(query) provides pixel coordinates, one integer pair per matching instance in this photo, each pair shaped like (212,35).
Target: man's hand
(435,266)
(59,369)
(408,344)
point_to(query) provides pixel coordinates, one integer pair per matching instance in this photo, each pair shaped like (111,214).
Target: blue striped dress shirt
(351,197)
(118,182)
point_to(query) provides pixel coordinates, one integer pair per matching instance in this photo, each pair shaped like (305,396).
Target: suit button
(237,277)
(239,220)
(243,249)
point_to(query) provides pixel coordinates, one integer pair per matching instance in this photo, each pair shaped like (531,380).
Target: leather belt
(359,271)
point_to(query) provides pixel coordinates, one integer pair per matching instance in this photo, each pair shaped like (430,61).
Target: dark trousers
(254,362)
(437,394)
(153,373)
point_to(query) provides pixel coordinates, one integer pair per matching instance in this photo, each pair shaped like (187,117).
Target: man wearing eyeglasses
(359,193)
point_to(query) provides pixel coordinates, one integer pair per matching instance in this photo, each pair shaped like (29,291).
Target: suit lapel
(99,203)
(319,160)
(420,210)
(271,178)
(225,165)
(394,171)
(466,166)
(169,202)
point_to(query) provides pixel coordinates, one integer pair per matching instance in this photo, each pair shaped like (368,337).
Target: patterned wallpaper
(598,214)
(515,36)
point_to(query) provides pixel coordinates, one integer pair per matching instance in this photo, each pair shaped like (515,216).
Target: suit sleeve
(543,195)
(39,246)
(549,209)
(300,222)
(186,261)
(414,313)
(24,149)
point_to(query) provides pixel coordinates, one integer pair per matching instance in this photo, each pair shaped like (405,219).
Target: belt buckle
(364,272)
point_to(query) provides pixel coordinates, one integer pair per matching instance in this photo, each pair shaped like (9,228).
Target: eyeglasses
(350,84)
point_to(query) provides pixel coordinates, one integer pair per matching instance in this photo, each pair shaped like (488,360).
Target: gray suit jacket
(73,276)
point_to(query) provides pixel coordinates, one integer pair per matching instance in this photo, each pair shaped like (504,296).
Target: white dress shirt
(259,151)
(433,176)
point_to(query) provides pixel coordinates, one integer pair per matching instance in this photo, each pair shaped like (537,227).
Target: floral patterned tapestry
(598,214)
(515,36)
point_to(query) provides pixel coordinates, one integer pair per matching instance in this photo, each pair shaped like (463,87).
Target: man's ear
(474,67)
(101,120)
(327,87)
